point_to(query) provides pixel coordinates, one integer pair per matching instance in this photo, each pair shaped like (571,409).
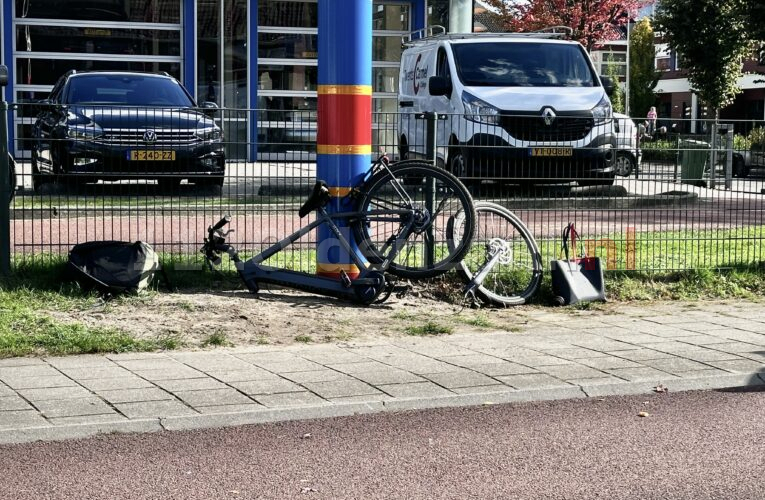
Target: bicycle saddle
(318,198)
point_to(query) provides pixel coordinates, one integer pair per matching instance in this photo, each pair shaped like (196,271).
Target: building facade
(244,55)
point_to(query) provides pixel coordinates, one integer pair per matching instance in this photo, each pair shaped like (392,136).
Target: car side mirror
(440,85)
(209,108)
(608,85)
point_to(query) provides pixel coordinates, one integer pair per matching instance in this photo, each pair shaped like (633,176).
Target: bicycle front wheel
(435,196)
(517,273)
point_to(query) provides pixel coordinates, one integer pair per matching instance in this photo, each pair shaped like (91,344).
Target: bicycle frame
(365,288)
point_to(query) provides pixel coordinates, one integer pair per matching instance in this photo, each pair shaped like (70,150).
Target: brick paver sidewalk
(559,356)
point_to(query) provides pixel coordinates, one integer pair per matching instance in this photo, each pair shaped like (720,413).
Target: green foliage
(756,138)
(643,74)
(617,98)
(26,329)
(429,328)
(713,40)
(216,338)
(659,151)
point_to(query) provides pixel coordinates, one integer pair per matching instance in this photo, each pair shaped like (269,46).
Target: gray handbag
(576,279)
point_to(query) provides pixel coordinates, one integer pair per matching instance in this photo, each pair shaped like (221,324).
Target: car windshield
(522,64)
(130,90)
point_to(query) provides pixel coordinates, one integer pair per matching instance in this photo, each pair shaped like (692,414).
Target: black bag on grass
(113,267)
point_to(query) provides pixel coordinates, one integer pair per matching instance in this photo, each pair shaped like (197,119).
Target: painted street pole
(344,136)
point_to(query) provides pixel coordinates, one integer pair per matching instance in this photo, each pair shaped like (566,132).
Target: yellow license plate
(150,155)
(552,151)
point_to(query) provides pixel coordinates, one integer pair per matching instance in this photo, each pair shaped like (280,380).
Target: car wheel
(213,185)
(625,164)
(169,184)
(739,167)
(39,179)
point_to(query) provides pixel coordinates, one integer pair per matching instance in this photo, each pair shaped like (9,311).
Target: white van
(516,106)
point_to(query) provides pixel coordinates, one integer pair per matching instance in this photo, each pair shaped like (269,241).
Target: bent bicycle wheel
(434,196)
(517,272)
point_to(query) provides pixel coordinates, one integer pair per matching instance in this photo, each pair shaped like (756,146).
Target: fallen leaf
(644,414)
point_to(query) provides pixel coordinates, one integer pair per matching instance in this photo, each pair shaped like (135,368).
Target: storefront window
(135,11)
(46,71)
(284,45)
(97,40)
(288,14)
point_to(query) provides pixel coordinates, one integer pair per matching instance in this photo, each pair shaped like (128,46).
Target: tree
(617,98)
(592,21)
(754,12)
(712,39)
(643,73)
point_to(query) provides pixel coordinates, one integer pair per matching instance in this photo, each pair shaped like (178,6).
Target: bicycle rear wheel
(436,196)
(516,276)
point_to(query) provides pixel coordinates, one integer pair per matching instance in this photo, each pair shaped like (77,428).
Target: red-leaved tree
(592,21)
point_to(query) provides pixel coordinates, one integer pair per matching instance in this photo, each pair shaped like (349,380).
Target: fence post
(431,138)
(5,182)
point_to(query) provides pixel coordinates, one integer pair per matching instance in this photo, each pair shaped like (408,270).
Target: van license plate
(551,151)
(150,155)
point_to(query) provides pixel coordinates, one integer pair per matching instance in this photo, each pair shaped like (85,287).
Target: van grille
(533,128)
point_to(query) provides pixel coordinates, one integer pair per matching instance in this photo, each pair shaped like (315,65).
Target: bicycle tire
(517,276)
(450,197)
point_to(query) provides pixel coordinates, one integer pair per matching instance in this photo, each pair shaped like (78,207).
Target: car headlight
(209,134)
(602,112)
(479,111)
(84,132)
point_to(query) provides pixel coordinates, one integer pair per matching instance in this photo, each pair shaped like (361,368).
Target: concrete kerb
(221,420)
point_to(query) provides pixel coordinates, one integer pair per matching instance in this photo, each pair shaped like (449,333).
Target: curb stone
(219,420)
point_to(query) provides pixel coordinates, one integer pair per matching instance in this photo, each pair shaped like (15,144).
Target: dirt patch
(279,317)
(285,317)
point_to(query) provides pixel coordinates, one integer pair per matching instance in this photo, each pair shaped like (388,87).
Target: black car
(125,125)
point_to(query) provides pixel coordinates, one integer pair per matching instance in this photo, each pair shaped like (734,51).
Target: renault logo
(149,136)
(548,115)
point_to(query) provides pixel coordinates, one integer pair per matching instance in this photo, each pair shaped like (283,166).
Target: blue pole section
(344,138)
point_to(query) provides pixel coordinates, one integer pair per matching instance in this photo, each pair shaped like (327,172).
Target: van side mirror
(608,85)
(440,85)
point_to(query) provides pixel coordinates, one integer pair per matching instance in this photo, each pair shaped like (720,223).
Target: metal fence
(686,195)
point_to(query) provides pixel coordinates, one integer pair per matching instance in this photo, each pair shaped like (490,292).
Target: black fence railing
(645,198)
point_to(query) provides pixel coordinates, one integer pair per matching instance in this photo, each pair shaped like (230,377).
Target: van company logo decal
(417,76)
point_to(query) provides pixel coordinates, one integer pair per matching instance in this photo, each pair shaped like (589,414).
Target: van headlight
(602,112)
(479,111)
(209,134)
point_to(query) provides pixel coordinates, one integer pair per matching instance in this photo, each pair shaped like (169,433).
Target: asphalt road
(696,445)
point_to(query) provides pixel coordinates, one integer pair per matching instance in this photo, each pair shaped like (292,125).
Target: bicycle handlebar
(218,225)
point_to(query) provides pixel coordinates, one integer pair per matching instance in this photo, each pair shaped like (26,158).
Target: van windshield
(522,64)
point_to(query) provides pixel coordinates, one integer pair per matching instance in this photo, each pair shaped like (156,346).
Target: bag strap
(570,233)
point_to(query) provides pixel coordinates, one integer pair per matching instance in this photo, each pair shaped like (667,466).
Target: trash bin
(693,161)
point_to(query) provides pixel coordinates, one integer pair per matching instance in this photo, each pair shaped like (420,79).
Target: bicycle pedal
(345,279)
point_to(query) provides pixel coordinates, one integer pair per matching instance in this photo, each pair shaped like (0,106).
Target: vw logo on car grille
(149,136)
(548,115)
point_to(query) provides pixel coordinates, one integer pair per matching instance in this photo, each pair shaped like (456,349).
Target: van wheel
(624,165)
(403,149)
(739,168)
(458,164)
